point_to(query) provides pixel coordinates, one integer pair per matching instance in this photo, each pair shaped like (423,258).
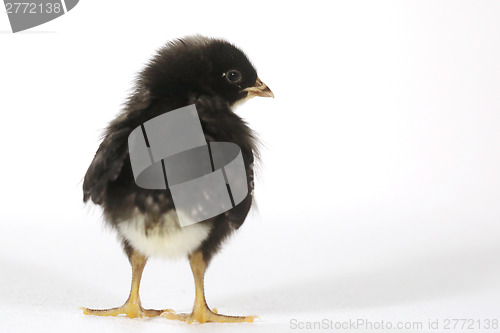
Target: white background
(379,191)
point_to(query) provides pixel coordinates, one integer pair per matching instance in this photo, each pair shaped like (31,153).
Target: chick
(214,75)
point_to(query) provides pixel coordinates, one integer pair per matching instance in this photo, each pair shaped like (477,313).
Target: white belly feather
(168,240)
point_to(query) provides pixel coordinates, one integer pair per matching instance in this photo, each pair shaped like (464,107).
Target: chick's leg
(201,312)
(132,307)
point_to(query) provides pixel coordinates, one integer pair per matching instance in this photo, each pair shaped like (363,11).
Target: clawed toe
(131,311)
(207,315)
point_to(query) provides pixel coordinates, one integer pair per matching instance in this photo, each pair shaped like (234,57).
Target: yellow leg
(132,307)
(201,312)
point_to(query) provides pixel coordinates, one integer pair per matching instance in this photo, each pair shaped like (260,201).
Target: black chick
(214,75)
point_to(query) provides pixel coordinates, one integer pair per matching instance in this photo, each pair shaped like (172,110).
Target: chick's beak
(259,89)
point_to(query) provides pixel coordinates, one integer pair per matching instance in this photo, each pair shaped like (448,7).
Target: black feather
(184,72)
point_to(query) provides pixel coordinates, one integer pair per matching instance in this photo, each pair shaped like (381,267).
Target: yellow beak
(259,89)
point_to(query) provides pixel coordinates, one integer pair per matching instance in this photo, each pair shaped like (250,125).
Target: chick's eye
(233,76)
